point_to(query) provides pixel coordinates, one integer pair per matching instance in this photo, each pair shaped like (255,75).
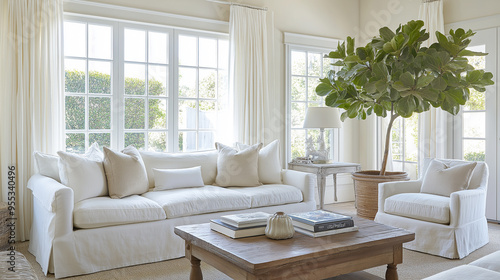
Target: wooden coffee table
(301,257)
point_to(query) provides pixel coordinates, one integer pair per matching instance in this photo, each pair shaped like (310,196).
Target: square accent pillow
(84,174)
(125,172)
(237,168)
(442,179)
(167,179)
(269,162)
(47,165)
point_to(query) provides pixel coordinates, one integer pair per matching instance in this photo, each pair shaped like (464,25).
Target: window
(305,67)
(405,145)
(124,87)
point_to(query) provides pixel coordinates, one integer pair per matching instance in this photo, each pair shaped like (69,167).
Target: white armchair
(450,227)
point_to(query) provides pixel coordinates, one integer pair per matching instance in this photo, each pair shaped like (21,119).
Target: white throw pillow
(237,168)
(167,179)
(269,162)
(125,172)
(442,179)
(47,165)
(84,174)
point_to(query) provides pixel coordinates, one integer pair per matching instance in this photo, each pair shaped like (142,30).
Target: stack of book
(321,223)
(241,225)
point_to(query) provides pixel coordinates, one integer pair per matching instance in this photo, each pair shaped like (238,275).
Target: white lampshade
(322,117)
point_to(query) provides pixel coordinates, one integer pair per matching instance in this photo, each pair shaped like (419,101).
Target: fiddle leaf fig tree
(394,75)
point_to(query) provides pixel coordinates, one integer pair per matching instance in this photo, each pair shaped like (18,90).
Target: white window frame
(306,43)
(117,129)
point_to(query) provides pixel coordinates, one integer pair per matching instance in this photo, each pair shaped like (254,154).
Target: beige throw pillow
(237,168)
(442,179)
(125,172)
(269,162)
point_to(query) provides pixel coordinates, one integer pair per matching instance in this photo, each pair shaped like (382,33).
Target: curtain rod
(238,4)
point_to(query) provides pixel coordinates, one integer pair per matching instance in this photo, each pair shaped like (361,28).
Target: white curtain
(249,48)
(31,95)
(433,124)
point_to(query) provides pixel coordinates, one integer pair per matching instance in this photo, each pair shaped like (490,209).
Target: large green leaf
(324,89)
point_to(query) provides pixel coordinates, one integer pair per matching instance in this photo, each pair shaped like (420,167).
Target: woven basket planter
(4,231)
(366,189)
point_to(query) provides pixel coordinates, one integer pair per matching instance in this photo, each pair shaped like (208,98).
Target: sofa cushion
(47,165)
(420,206)
(194,201)
(489,262)
(269,165)
(207,160)
(237,168)
(273,194)
(167,179)
(125,172)
(465,272)
(443,179)
(105,211)
(83,173)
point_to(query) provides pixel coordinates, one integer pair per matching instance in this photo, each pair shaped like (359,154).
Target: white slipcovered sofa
(445,207)
(72,237)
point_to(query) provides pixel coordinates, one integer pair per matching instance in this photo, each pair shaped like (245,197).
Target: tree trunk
(387,143)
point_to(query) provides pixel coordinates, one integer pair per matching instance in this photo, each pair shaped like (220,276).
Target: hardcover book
(324,226)
(234,232)
(326,232)
(245,220)
(318,217)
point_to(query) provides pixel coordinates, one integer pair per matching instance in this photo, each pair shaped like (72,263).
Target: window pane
(298,63)
(157,113)
(187,50)
(223,54)
(135,77)
(157,84)
(134,113)
(327,66)
(158,47)
(298,140)
(298,89)
(222,85)
(476,101)
(75,112)
(75,42)
(75,143)
(157,141)
(74,75)
(298,114)
(311,90)
(208,114)
(135,139)
(411,138)
(187,82)
(100,77)
(187,114)
(103,139)
(135,45)
(99,113)
(100,41)
(478,62)
(314,62)
(474,150)
(208,52)
(187,141)
(207,83)
(206,140)
(474,124)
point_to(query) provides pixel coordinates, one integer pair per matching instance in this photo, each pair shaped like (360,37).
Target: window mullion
(173,97)
(119,82)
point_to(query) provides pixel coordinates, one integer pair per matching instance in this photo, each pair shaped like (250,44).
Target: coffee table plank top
(260,252)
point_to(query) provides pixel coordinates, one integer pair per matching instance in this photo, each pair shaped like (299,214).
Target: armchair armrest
(56,199)
(388,189)
(301,180)
(467,206)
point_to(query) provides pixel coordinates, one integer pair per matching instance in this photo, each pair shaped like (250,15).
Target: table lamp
(322,117)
